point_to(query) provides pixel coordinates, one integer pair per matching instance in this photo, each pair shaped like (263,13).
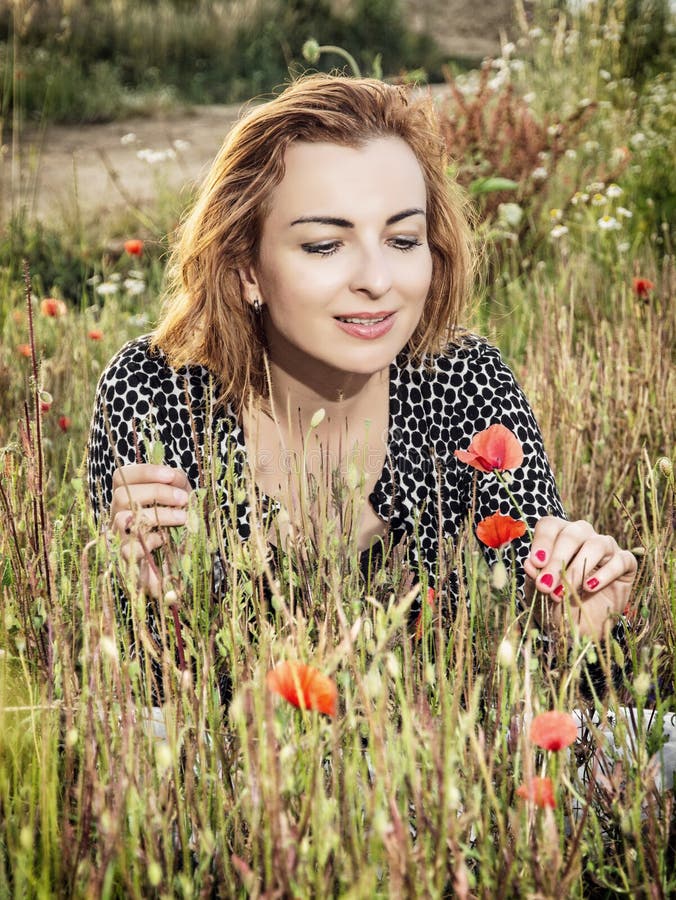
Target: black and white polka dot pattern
(435,408)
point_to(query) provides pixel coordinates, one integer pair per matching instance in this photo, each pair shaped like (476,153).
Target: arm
(564,556)
(133,498)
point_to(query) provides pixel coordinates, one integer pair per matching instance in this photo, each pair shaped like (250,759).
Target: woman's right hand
(147,499)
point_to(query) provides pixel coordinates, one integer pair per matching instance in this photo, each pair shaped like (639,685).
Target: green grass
(96,61)
(410,790)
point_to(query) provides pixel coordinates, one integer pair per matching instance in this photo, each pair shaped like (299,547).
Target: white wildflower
(608,223)
(595,187)
(129,138)
(624,247)
(133,286)
(556,214)
(554,130)
(180,144)
(156,156)
(558,231)
(539,174)
(517,65)
(137,273)
(529,97)
(510,214)
(584,102)
(139,321)
(508,49)
(605,74)
(106,288)
(591,146)
(598,199)
(501,78)
(570,153)
(613,191)
(624,213)
(95,279)
(579,197)
(637,139)
(535,33)
(115,277)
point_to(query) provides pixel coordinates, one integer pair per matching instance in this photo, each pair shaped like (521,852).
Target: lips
(366,326)
(365,316)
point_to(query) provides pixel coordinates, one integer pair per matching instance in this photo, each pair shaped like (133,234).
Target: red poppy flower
(64,423)
(53,308)
(44,406)
(553,730)
(539,791)
(419,621)
(643,287)
(24,350)
(134,246)
(496,530)
(494,449)
(303,686)
(95,334)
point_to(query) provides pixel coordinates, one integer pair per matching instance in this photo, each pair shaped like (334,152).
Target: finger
(561,551)
(621,567)
(133,550)
(125,522)
(589,556)
(545,533)
(147,473)
(138,495)
(150,580)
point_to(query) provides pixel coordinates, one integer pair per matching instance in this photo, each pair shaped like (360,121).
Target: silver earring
(257,306)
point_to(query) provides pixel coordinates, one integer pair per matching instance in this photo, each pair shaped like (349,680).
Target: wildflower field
(311,740)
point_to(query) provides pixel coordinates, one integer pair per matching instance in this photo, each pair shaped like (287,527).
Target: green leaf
(490,184)
(7,578)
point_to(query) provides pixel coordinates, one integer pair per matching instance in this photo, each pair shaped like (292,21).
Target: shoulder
(139,367)
(469,358)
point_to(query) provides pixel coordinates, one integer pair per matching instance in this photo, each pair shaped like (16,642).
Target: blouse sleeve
(139,401)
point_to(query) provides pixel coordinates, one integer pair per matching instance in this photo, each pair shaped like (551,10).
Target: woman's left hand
(572,557)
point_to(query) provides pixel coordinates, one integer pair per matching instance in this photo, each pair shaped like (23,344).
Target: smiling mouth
(365,318)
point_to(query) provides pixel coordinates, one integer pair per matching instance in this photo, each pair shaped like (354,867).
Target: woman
(324,267)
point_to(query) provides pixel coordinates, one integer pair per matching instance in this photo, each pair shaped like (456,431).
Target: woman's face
(344,266)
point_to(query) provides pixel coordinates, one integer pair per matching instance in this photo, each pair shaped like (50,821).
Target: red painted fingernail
(541,555)
(558,591)
(547,580)
(592,584)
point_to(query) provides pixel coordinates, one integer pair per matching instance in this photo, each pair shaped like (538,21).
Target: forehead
(382,175)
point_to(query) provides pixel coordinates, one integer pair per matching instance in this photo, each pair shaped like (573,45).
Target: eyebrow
(345,223)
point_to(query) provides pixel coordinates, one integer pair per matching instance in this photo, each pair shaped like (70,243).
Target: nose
(372,275)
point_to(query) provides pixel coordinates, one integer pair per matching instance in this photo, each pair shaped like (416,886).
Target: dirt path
(95,170)
(87,172)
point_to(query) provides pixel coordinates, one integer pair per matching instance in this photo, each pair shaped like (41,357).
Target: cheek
(418,278)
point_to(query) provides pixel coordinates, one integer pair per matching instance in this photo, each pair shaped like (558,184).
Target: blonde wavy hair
(205,318)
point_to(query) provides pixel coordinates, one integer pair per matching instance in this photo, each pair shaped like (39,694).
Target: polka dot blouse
(423,489)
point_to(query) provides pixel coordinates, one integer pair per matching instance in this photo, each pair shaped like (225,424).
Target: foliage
(96,61)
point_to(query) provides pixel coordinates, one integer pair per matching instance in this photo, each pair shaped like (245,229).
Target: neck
(342,395)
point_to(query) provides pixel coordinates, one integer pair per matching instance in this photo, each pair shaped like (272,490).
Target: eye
(405,243)
(322,248)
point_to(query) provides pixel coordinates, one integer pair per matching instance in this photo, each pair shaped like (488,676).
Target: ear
(250,286)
